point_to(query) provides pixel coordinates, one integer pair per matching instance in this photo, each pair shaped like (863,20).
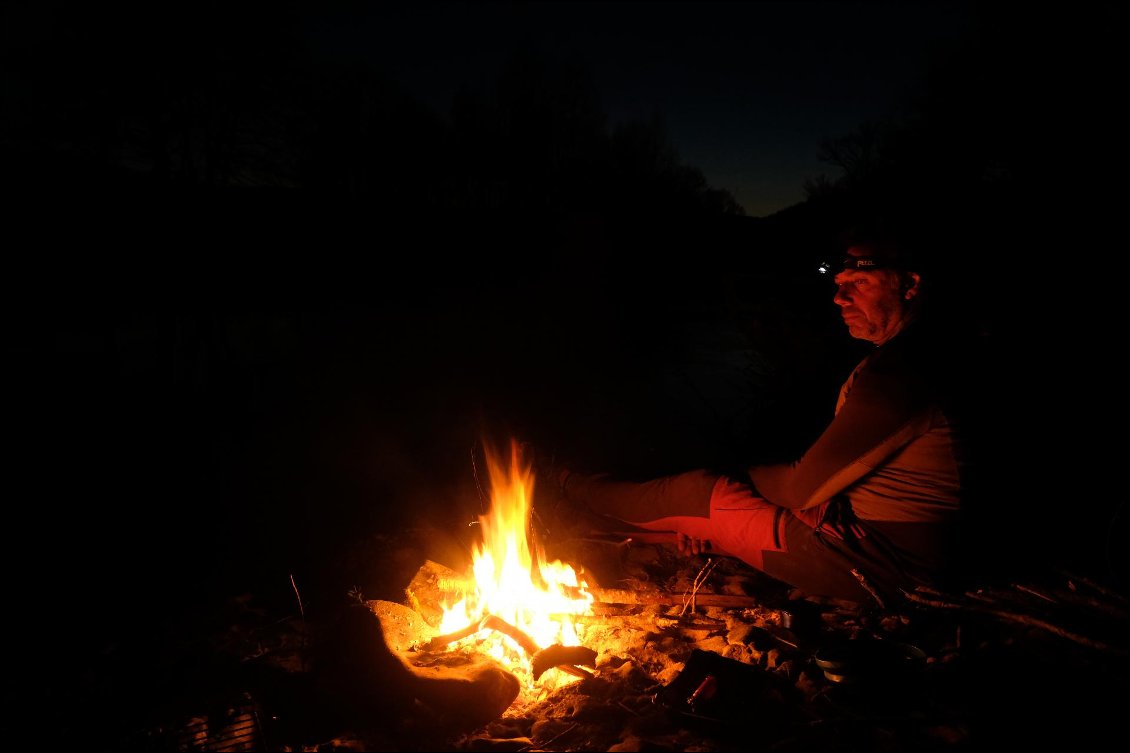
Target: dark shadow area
(215,391)
(254,331)
(229,394)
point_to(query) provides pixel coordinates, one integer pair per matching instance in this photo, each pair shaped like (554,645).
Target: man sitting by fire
(875,504)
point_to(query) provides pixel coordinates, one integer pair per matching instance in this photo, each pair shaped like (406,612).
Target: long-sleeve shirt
(894,447)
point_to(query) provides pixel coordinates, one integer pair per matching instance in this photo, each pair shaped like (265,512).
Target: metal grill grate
(232,728)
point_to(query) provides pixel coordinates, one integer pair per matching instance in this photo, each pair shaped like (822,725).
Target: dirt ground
(1024,663)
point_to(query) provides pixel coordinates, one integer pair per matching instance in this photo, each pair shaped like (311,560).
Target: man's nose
(841,298)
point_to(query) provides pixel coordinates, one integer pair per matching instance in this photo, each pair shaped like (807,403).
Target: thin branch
(560,734)
(439,641)
(698,581)
(606,597)
(859,576)
(1034,592)
(302,614)
(301,609)
(1022,619)
(1121,598)
(494,622)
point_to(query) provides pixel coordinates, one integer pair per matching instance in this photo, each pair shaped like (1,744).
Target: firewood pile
(678,654)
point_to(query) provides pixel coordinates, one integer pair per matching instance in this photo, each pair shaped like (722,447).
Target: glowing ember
(512,579)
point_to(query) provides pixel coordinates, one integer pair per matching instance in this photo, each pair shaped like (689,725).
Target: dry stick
(1095,586)
(495,622)
(302,614)
(478,486)
(523,639)
(1034,592)
(698,581)
(301,610)
(663,538)
(527,643)
(440,641)
(608,596)
(1022,619)
(604,615)
(859,576)
(1109,608)
(544,745)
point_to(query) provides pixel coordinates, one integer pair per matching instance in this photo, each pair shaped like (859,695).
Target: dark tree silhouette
(648,174)
(541,142)
(209,96)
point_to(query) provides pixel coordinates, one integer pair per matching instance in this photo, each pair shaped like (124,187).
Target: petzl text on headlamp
(863,263)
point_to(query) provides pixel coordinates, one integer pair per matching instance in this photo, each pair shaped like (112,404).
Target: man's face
(873,303)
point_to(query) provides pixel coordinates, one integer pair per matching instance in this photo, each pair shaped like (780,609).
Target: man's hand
(688,545)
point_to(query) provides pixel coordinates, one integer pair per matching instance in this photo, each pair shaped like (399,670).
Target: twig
(562,733)
(1022,619)
(1109,608)
(606,597)
(698,581)
(478,485)
(523,639)
(1096,587)
(662,538)
(440,641)
(494,622)
(1034,592)
(601,614)
(302,614)
(859,576)
(627,708)
(301,609)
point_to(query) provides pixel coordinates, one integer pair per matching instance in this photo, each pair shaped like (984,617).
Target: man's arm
(885,409)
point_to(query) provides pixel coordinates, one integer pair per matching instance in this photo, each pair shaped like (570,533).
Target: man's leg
(735,520)
(856,569)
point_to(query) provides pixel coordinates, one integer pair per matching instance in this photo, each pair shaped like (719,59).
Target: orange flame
(513,580)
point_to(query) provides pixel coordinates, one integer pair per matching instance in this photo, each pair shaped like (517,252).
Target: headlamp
(863,263)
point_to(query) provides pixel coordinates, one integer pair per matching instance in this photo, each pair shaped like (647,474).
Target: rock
(403,628)
(435,584)
(467,696)
(371,677)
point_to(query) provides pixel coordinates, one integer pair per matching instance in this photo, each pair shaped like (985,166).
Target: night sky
(747,90)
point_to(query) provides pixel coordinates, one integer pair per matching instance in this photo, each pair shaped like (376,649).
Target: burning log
(434,585)
(527,643)
(440,641)
(562,657)
(531,648)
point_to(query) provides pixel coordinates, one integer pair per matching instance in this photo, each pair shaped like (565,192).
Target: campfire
(524,628)
(520,645)
(516,606)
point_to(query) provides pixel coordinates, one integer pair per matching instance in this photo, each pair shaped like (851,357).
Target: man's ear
(910,282)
